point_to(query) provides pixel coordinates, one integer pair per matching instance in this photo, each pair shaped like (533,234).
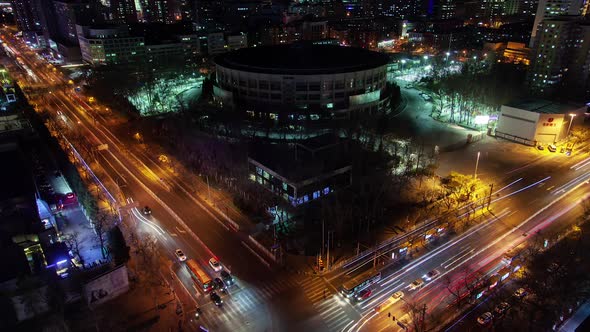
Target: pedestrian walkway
(326,302)
(242,306)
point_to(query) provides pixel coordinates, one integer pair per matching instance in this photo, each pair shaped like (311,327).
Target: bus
(199,276)
(514,253)
(361,282)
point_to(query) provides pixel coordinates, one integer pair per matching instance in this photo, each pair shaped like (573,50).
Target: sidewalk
(71,220)
(579,319)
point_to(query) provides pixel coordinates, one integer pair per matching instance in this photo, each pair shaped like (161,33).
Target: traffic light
(320,263)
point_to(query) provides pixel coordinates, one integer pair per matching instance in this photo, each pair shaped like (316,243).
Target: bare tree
(101,224)
(72,240)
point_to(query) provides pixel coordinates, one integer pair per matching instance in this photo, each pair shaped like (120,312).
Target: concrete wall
(517,125)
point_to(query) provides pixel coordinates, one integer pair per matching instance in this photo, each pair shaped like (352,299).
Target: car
(180,255)
(416,284)
(485,318)
(70,195)
(502,308)
(364,294)
(540,147)
(398,295)
(216,299)
(430,275)
(215,265)
(147,211)
(553,267)
(229,280)
(520,293)
(552,147)
(218,284)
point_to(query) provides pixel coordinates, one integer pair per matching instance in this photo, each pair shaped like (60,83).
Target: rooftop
(302,59)
(297,164)
(543,106)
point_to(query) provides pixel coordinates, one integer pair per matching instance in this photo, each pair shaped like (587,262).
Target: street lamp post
(570,125)
(476,164)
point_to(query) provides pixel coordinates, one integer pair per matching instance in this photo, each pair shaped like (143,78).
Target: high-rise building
(123,11)
(554,8)
(68,13)
(559,44)
(26,13)
(153,11)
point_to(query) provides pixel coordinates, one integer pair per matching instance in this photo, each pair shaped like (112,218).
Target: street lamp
(476,164)
(570,125)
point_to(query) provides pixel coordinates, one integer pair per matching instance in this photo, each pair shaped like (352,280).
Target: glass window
(316,194)
(275,85)
(326,190)
(301,86)
(263,85)
(339,85)
(314,86)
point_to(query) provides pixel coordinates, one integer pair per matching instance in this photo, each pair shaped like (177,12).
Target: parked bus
(514,253)
(199,276)
(360,282)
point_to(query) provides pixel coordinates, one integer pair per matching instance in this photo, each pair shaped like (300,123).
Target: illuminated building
(302,82)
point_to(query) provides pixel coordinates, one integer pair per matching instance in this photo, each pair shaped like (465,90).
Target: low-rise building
(535,121)
(109,44)
(302,172)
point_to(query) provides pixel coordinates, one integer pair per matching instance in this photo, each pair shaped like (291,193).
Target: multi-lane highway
(528,199)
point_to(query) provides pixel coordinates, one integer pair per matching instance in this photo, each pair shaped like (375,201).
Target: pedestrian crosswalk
(328,303)
(244,304)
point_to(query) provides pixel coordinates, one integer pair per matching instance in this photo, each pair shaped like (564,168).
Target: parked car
(553,267)
(552,147)
(520,293)
(502,308)
(215,265)
(416,284)
(485,318)
(540,147)
(398,295)
(180,255)
(227,278)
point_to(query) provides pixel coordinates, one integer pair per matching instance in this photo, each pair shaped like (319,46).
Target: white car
(180,255)
(430,275)
(215,265)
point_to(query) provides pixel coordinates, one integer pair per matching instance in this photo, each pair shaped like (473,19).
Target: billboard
(107,286)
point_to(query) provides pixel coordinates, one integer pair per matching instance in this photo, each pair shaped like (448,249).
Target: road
(264,299)
(179,219)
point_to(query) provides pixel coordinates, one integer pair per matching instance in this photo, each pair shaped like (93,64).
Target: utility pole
(323,237)
(490,196)
(328,254)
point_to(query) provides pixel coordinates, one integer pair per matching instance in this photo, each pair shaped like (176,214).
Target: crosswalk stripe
(316,287)
(341,323)
(340,315)
(325,303)
(326,313)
